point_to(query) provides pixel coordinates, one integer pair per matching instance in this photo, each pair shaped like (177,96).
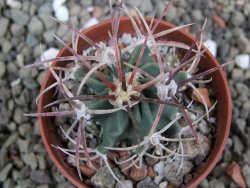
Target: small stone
(237,74)
(192,149)
(25,129)
(219,21)
(246,174)
(238,145)
(4,22)
(19,16)
(146,6)
(49,54)
(204,184)
(9,183)
(57,3)
(138,174)
(187,178)
(127,183)
(26,183)
(86,171)
(30,159)
(243,61)
(237,18)
(220,169)
(41,162)
(62,13)
(6,47)
(43,186)
(23,145)
(204,127)
(126,38)
(103,178)
(146,183)
(2,69)
(159,168)
(40,177)
(5,172)
(215,183)
(172,168)
(171,13)
(98,12)
(196,15)
(14,4)
(243,44)
(30,83)
(163,184)
(151,161)
(32,40)
(234,172)
(36,26)
(212,46)
(90,22)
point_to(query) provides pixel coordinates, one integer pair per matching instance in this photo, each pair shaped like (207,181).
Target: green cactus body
(118,126)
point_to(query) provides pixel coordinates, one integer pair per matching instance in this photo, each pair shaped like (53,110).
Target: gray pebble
(26,183)
(196,15)
(3,69)
(30,83)
(35,26)
(237,18)
(227,156)
(204,127)
(238,145)
(40,176)
(31,40)
(19,16)
(18,116)
(43,186)
(146,183)
(5,172)
(215,183)
(204,184)
(127,183)
(243,44)
(4,22)
(41,162)
(25,129)
(246,174)
(17,29)
(30,159)
(237,74)
(146,6)
(220,169)
(23,145)
(9,183)
(6,47)
(103,178)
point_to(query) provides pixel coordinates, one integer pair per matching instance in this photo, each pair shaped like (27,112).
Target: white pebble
(62,13)
(243,61)
(57,3)
(90,23)
(49,54)
(159,168)
(212,46)
(14,4)
(126,38)
(163,184)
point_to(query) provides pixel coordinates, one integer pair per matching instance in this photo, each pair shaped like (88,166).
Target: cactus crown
(133,93)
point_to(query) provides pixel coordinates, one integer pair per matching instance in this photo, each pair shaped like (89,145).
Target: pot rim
(195,181)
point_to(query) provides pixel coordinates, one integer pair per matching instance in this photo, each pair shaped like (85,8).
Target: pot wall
(100,32)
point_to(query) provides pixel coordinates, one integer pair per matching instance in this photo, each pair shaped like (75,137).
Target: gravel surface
(26,30)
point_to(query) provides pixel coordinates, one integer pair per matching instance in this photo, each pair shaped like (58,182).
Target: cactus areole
(134,95)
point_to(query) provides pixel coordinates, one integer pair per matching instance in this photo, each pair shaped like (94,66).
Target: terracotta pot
(220,87)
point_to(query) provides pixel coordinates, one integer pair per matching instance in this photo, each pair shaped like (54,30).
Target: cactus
(137,99)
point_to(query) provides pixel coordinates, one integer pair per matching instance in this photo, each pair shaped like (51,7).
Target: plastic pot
(219,85)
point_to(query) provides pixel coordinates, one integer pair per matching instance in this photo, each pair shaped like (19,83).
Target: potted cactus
(138,95)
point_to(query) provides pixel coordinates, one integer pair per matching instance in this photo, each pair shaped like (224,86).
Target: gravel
(25,25)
